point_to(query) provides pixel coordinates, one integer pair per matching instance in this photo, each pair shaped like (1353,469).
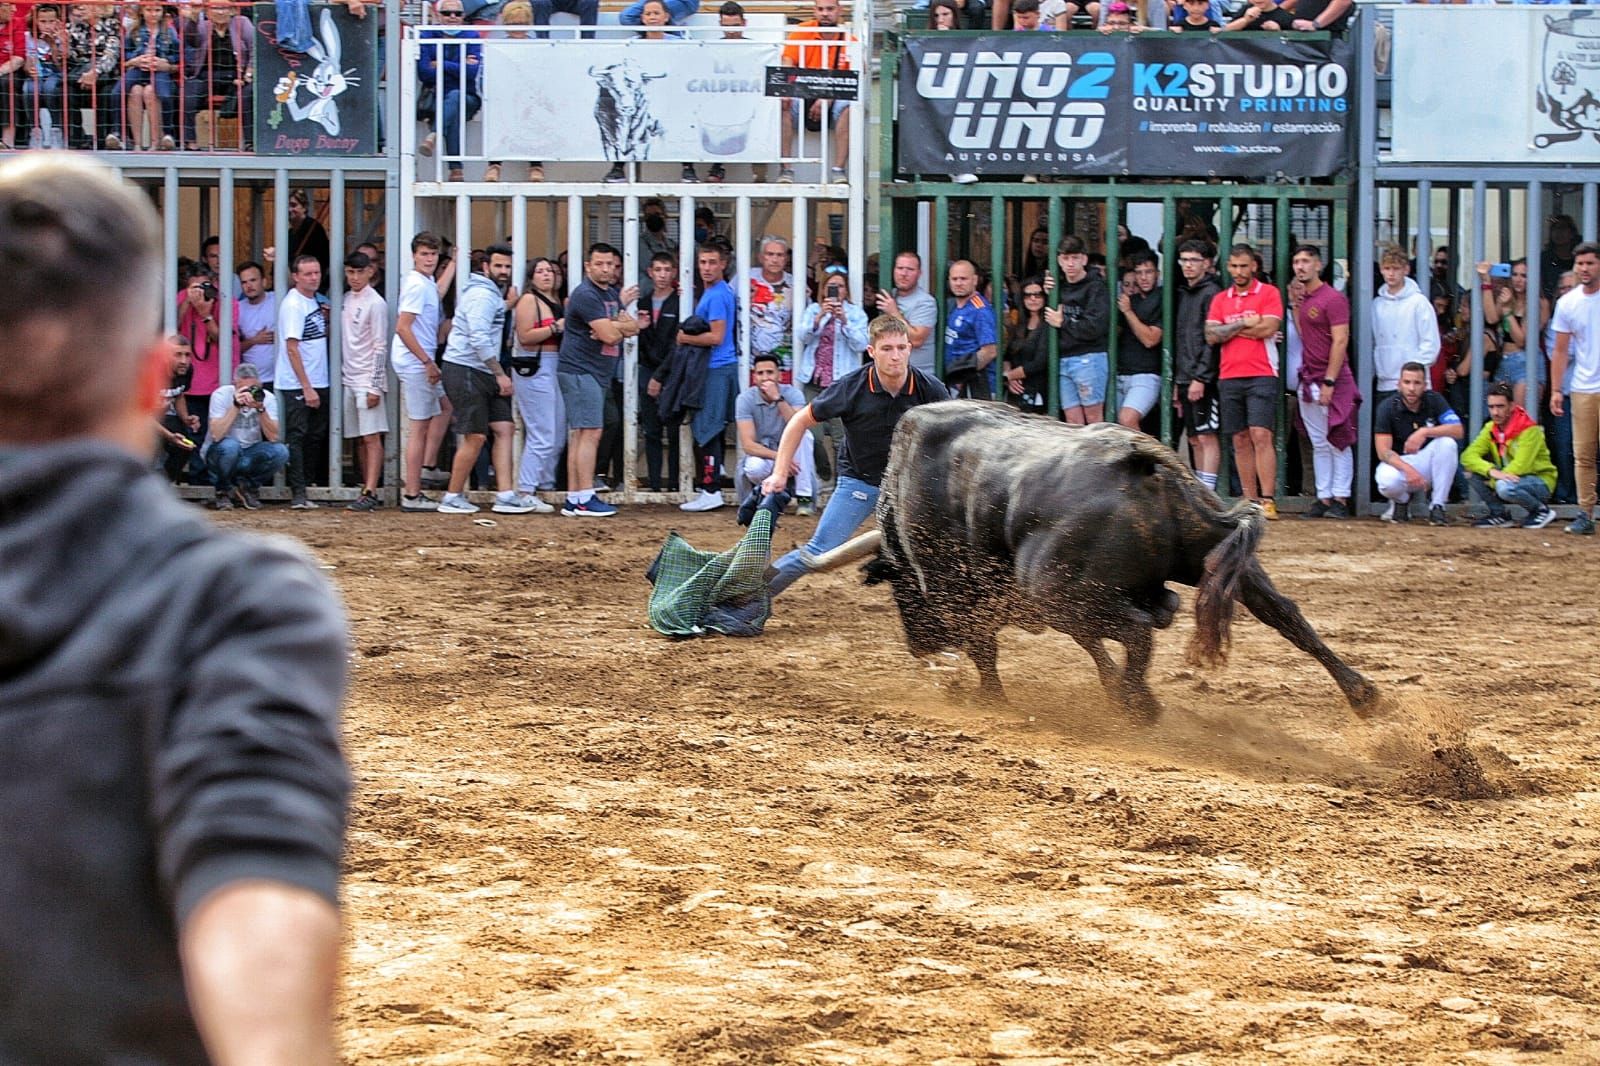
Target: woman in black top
(1027,361)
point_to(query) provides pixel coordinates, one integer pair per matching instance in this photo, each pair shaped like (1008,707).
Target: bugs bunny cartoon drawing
(325,82)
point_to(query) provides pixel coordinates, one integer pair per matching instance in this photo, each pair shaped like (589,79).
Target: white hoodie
(1404,330)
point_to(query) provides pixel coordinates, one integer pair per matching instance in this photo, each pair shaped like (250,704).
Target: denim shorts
(1139,391)
(584,399)
(1513,368)
(1083,379)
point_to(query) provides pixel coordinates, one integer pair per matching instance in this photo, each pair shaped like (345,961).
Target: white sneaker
(965,179)
(706,501)
(520,503)
(420,502)
(457,503)
(1387,516)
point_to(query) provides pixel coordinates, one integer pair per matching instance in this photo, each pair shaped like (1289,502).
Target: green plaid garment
(725,592)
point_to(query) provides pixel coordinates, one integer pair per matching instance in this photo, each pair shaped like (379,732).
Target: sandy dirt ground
(574,840)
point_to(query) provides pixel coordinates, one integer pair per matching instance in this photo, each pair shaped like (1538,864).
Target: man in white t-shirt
(912,304)
(256,316)
(1577,326)
(302,376)
(412,355)
(242,449)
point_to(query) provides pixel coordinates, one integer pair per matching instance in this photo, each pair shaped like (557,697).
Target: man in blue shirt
(716,306)
(969,336)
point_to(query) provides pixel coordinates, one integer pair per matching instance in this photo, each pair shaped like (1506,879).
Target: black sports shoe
(1437,517)
(1336,510)
(1316,510)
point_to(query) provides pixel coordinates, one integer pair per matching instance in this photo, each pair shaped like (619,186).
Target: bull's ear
(592,74)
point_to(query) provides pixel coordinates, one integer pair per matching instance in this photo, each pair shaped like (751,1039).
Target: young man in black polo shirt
(1417,439)
(869,402)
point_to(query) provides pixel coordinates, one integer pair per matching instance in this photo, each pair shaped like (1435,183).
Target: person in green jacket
(1509,462)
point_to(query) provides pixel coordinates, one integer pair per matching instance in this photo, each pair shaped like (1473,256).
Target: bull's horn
(846,553)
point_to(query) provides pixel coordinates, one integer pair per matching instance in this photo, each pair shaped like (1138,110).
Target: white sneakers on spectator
(520,503)
(420,502)
(706,501)
(965,179)
(456,503)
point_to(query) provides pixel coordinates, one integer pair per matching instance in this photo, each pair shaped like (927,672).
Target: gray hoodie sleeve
(247,777)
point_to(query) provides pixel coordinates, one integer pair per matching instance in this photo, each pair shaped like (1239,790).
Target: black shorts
(475,399)
(1248,402)
(968,384)
(1199,416)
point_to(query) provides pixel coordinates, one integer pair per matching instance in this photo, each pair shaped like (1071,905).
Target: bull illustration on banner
(1569,89)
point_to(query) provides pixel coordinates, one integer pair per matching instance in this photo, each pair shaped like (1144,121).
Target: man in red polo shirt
(1244,318)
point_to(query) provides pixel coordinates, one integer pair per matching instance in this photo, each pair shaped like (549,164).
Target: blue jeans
(588,12)
(849,506)
(1529,492)
(1558,433)
(293,25)
(232,463)
(679,10)
(450,122)
(1083,379)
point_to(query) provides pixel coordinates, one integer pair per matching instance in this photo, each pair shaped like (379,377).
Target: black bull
(989,518)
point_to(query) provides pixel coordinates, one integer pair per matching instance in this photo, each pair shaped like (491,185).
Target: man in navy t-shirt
(591,343)
(869,402)
(716,306)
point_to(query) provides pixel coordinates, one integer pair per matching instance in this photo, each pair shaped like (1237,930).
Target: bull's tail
(1218,591)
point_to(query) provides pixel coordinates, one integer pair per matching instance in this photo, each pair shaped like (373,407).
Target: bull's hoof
(1142,706)
(1366,699)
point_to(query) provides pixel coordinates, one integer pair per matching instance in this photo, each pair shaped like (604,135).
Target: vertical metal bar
(170,213)
(688,271)
(1053,337)
(399,227)
(1361,270)
(400,86)
(1339,249)
(574,242)
(1170,279)
(1285,425)
(1531,349)
(1423,254)
(888,68)
(1112,206)
(633,273)
(519,272)
(936,282)
(336,243)
(742,244)
(997,270)
(1480,198)
(228,282)
(1455,228)
(1591,211)
(1224,230)
(282,253)
(800,246)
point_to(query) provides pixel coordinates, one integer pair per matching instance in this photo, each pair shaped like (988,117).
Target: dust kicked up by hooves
(1431,748)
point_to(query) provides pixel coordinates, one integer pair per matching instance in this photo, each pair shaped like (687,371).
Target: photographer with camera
(833,337)
(197,321)
(243,451)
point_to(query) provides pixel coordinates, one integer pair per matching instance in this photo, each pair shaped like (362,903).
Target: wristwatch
(1329,382)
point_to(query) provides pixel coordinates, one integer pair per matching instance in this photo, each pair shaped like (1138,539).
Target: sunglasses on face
(450,14)
(836,270)
(1033,292)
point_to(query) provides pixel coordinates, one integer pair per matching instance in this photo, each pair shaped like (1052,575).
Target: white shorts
(361,420)
(421,399)
(1138,391)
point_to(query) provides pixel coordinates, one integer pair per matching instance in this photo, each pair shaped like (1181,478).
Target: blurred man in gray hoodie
(172,793)
(1404,326)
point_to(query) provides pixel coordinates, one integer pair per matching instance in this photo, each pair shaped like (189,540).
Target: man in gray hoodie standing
(172,793)
(479,387)
(1404,326)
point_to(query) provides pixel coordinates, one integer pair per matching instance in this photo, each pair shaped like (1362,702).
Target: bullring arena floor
(575,841)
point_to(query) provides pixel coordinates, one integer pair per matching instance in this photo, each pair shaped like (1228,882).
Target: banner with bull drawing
(1534,93)
(672,101)
(1156,105)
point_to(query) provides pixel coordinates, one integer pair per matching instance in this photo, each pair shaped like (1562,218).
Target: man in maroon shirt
(1327,390)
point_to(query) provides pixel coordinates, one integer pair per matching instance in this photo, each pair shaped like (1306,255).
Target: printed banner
(618,101)
(808,84)
(1154,105)
(322,100)
(1534,93)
